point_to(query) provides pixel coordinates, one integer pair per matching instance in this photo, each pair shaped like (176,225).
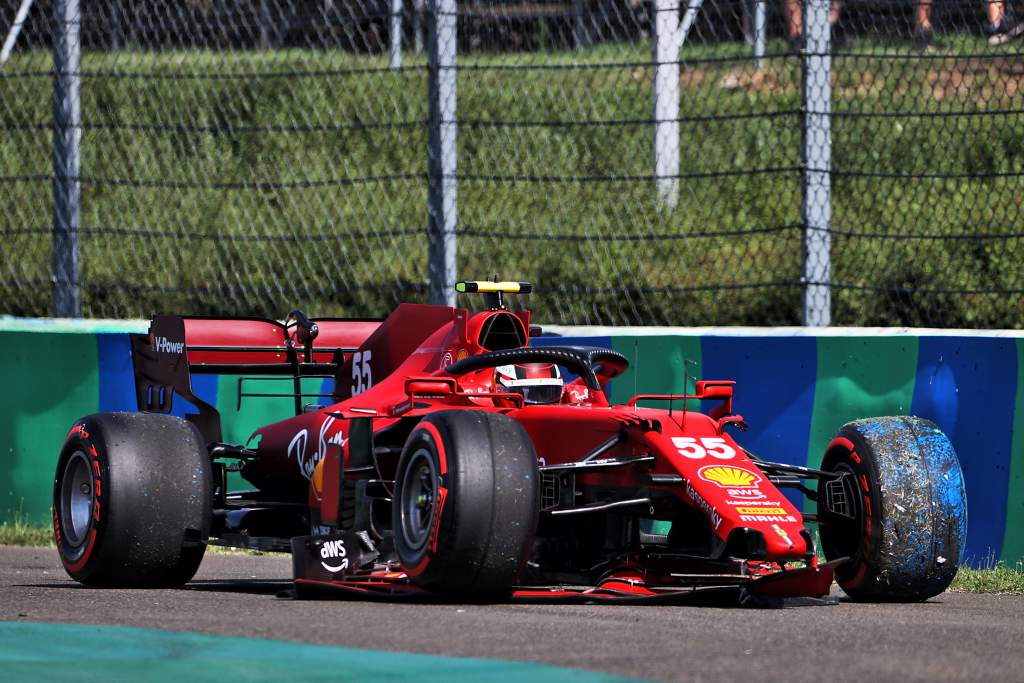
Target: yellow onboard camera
(493,291)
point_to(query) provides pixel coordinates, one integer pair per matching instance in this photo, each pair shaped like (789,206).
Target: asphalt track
(955,637)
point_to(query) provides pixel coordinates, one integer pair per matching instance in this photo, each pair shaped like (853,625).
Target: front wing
(319,574)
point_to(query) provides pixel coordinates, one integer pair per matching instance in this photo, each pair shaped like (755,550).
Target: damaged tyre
(901,517)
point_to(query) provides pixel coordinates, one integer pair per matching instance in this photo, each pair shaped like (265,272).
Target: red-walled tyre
(907,522)
(132,500)
(466,503)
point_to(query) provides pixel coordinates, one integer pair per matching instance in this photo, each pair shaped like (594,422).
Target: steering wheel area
(594,365)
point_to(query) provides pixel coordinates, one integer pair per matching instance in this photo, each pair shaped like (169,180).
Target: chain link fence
(643,162)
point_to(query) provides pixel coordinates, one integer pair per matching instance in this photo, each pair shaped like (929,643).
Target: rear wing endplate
(178,347)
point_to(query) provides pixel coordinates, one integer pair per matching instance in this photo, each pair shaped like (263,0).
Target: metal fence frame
(671,29)
(67,154)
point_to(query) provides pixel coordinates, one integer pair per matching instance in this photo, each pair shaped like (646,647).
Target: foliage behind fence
(250,157)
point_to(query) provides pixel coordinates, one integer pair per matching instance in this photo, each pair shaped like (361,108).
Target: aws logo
(748,495)
(334,557)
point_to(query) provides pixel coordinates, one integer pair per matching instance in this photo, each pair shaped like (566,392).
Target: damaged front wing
(344,565)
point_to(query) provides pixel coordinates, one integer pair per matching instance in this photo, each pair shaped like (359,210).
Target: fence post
(12,34)
(417,27)
(67,142)
(265,24)
(116,29)
(760,32)
(395,35)
(666,100)
(580,17)
(817,162)
(441,154)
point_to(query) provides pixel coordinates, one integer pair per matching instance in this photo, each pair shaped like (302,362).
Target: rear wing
(178,347)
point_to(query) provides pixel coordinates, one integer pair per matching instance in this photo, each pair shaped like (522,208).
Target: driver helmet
(536,382)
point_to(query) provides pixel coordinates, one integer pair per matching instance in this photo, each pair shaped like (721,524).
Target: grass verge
(1002,579)
(17,531)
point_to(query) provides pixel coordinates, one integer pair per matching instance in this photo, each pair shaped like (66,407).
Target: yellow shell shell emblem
(729,477)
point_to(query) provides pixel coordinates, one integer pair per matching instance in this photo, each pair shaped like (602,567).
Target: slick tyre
(466,503)
(132,499)
(906,521)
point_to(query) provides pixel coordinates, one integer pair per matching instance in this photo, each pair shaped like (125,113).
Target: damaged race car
(455,460)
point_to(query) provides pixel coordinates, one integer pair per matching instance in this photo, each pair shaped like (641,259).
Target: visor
(536,390)
(543,393)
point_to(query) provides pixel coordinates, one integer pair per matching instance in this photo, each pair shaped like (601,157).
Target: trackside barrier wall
(795,388)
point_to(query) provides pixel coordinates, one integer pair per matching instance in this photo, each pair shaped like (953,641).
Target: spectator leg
(923,14)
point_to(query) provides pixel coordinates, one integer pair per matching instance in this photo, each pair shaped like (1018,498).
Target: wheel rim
(841,536)
(419,490)
(76,499)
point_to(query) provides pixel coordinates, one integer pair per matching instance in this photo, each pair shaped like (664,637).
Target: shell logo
(729,476)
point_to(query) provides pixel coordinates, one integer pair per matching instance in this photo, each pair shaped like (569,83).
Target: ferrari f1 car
(456,460)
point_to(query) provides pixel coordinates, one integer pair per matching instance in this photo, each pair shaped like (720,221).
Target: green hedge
(603,250)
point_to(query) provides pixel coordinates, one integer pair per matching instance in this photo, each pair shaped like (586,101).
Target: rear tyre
(466,503)
(132,500)
(908,518)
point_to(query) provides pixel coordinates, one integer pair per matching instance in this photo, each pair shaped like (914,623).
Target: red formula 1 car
(458,460)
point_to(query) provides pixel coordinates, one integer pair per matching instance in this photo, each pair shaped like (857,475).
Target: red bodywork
(394,372)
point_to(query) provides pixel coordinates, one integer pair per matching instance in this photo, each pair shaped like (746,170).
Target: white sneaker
(1005,31)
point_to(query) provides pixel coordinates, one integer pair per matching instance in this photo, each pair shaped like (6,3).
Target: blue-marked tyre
(132,500)
(906,525)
